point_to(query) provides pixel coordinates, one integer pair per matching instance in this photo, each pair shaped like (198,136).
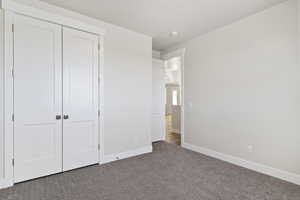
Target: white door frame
(179,53)
(12,8)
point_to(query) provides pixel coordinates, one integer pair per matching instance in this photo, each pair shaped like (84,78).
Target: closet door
(37,98)
(80,99)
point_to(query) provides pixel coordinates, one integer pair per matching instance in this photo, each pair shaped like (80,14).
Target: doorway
(173,107)
(167,98)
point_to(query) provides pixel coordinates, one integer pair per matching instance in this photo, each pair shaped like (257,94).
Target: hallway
(172,138)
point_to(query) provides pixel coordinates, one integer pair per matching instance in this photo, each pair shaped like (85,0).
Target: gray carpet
(170,172)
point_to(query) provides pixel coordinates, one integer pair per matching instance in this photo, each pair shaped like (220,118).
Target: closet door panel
(80,99)
(37,98)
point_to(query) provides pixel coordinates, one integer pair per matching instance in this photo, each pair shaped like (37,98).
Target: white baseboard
(5,184)
(163,138)
(124,155)
(284,175)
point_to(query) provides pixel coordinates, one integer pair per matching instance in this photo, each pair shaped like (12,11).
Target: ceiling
(158,18)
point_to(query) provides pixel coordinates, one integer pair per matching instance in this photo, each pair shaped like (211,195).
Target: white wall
(156,54)
(242,87)
(298,12)
(128,90)
(127,85)
(1,96)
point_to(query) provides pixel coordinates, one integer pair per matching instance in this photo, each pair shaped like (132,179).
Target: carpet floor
(169,173)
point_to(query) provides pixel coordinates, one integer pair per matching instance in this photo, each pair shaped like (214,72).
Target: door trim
(101,99)
(8,96)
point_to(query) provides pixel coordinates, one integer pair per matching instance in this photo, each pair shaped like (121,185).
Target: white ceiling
(157,18)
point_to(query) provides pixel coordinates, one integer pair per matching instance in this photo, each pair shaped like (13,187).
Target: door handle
(66,116)
(58,117)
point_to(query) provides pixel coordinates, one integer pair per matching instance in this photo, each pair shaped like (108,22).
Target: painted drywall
(127,91)
(156,54)
(242,88)
(127,84)
(298,12)
(1,96)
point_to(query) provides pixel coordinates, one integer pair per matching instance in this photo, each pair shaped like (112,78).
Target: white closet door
(158,101)
(37,98)
(80,99)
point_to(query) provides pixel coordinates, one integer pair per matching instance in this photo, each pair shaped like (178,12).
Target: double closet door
(55,98)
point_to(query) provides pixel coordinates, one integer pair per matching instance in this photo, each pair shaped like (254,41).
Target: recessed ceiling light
(174,33)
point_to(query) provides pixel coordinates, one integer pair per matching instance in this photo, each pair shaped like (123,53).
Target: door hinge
(13,28)
(13,162)
(13,73)
(99,47)
(13,118)
(98,113)
(99,79)
(99,147)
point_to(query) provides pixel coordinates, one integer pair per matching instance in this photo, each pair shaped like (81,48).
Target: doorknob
(58,117)
(66,116)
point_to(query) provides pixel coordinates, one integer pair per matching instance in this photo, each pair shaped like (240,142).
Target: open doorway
(167,98)
(173,100)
